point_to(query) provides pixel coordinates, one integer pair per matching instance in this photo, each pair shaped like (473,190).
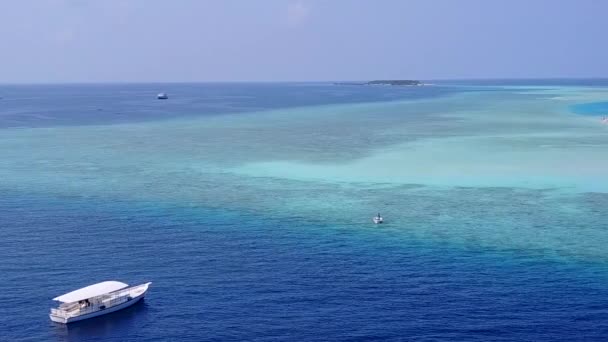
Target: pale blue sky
(290,40)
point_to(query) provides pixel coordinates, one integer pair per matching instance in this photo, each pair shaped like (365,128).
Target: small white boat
(378,219)
(162,96)
(96,300)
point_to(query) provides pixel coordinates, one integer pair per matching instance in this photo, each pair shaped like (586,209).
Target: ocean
(248,206)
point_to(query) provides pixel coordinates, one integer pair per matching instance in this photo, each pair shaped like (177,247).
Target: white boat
(162,96)
(378,219)
(96,300)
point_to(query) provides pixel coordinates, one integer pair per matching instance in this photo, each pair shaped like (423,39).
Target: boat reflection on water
(106,327)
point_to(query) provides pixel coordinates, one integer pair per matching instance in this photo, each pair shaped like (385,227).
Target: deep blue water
(226,274)
(242,276)
(82,104)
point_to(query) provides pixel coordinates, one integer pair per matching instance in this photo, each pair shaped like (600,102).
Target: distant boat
(378,219)
(96,300)
(162,96)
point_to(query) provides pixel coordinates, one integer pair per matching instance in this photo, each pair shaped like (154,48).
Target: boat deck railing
(99,303)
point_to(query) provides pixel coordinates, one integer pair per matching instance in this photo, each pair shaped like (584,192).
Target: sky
(300,40)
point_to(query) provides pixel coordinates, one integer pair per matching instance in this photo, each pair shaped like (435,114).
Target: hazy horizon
(137,41)
(308,81)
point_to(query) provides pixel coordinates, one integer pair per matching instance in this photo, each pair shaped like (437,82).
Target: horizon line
(302,81)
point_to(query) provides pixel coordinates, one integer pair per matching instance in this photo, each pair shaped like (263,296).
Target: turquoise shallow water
(494,198)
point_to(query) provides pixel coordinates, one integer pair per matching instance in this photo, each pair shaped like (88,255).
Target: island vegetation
(385,82)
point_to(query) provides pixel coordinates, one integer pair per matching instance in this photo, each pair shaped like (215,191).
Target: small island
(385,82)
(395,82)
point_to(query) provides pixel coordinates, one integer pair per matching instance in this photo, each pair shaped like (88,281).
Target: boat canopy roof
(91,291)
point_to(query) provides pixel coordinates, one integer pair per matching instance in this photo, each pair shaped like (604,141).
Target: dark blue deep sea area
(90,104)
(220,275)
(239,275)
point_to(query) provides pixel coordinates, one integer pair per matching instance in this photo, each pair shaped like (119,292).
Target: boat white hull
(109,310)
